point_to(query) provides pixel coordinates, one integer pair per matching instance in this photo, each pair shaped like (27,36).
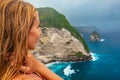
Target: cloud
(81,7)
(85,12)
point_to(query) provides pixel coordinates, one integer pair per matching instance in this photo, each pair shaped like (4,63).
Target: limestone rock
(60,45)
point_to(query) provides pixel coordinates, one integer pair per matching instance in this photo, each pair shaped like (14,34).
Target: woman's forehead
(36,21)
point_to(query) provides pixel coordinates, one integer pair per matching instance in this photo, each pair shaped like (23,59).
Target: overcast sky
(103,14)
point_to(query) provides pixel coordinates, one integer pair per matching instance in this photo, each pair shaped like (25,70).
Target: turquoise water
(105,64)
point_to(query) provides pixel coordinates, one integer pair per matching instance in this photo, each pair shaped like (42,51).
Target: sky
(103,14)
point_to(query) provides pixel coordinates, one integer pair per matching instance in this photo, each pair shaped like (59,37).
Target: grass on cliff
(79,54)
(49,17)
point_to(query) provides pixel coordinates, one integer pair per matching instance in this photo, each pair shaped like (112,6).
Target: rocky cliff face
(94,37)
(60,45)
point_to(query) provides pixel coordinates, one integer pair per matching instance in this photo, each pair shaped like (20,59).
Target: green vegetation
(95,33)
(79,54)
(51,18)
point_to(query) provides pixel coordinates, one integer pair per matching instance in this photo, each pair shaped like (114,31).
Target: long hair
(16,19)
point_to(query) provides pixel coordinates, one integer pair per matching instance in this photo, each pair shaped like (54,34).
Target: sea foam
(101,40)
(68,71)
(52,63)
(94,56)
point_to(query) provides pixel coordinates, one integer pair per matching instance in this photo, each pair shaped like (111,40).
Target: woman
(20,31)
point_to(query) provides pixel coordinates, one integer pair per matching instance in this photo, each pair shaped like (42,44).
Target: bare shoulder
(27,77)
(22,77)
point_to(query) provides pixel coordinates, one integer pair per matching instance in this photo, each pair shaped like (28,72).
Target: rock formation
(94,37)
(59,45)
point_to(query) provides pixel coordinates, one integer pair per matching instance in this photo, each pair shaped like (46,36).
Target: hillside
(86,29)
(49,17)
(59,45)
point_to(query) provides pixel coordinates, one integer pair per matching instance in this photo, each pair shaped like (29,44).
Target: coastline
(94,57)
(60,45)
(47,60)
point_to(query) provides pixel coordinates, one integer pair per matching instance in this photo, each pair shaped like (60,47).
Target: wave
(94,56)
(101,40)
(68,71)
(52,63)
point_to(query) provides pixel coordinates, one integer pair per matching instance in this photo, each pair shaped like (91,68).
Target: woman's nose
(40,32)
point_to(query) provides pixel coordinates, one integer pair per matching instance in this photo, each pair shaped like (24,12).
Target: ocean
(105,64)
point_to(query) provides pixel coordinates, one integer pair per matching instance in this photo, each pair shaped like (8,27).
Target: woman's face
(34,33)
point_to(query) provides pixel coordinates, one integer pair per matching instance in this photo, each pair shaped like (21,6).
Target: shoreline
(46,60)
(93,55)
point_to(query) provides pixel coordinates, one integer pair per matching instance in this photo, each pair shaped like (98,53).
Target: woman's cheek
(39,33)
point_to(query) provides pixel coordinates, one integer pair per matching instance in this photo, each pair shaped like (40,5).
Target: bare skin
(33,65)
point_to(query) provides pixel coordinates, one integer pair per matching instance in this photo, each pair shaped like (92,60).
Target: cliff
(60,41)
(59,45)
(49,17)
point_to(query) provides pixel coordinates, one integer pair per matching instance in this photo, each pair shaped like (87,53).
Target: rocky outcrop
(94,37)
(59,45)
